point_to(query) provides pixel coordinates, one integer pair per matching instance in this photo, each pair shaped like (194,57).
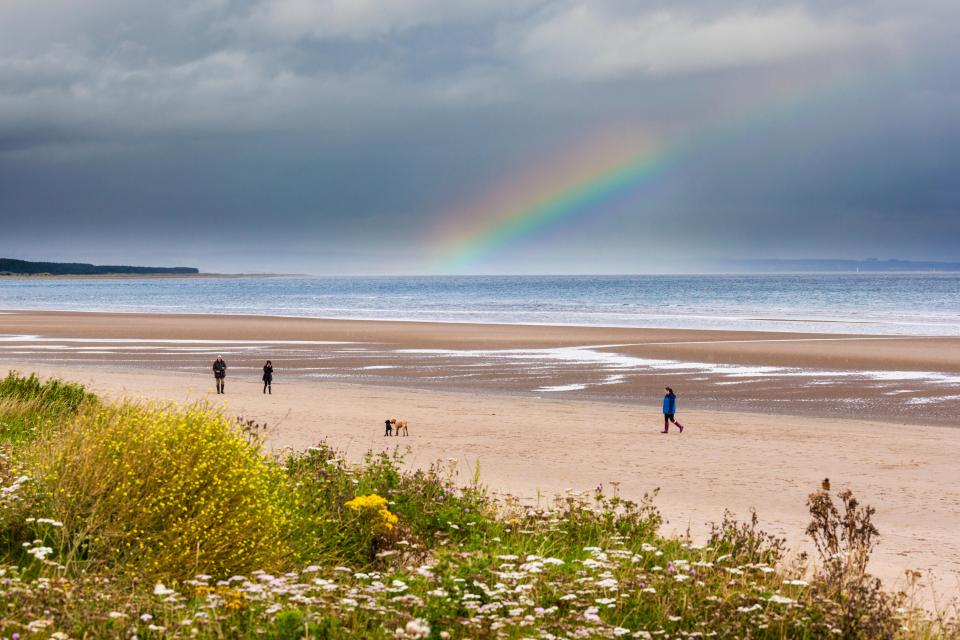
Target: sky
(494,136)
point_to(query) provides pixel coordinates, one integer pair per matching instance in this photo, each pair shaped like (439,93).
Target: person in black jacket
(268,377)
(219,372)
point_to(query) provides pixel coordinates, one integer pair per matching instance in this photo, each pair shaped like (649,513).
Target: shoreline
(472,323)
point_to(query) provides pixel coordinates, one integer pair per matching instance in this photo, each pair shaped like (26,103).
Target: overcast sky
(338,136)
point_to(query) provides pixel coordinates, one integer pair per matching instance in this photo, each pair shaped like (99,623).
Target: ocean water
(894,304)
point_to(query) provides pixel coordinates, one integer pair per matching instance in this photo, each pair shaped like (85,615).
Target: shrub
(745,542)
(333,519)
(164,491)
(844,538)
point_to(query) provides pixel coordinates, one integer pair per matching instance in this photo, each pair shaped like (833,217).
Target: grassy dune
(155,521)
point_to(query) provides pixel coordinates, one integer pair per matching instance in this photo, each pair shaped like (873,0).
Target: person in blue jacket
(670,410)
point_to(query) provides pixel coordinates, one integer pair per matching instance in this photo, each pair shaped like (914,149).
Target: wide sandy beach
(545,409)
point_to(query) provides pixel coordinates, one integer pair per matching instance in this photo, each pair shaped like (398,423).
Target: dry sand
(530,447)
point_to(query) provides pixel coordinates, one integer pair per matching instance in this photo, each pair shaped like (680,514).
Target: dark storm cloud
(329,135)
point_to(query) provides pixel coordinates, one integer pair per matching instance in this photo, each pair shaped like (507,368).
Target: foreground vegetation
(153,521)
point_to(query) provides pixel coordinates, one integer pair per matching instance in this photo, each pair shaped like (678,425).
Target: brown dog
(398,426)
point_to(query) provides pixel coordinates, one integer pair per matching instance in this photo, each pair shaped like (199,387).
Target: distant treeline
(25,267)
(869,265)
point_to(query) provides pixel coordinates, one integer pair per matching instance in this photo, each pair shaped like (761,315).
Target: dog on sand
(398,426)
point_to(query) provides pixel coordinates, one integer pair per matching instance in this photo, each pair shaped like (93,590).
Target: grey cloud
(337,133)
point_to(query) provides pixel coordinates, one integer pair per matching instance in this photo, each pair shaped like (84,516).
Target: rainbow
(587,177)
(591,177)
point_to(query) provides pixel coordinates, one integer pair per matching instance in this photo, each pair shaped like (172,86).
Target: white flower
(116,615)
(779,599)
(590,615)
(417,629)
(146,617)
(161,590)
(52,523)
(40,553)
(37,625)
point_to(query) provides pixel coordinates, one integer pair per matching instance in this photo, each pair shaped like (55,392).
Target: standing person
(268,377)
(219,372)
(670,410)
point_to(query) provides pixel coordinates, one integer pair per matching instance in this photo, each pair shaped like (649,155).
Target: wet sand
(905,380)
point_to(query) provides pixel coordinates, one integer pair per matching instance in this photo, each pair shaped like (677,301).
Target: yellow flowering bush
(375,508)
(165,490)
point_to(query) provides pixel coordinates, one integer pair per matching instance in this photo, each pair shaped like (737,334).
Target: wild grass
(164,521)
(30,408)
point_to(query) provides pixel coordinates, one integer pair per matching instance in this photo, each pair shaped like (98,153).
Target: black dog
(389,428)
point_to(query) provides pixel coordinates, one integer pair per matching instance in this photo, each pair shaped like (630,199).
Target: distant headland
(870,265)
(10,266)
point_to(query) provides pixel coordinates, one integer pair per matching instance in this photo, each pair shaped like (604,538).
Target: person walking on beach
(219,372)
(268,377)
(670,410)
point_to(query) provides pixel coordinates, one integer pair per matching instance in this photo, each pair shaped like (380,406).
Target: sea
(870,304)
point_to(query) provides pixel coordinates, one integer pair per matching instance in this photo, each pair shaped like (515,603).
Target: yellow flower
(372,501)
(377,505)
